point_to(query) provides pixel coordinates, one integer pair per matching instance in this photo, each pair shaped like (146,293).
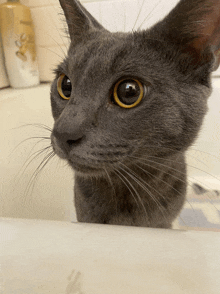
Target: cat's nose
(70,128)
(67,141)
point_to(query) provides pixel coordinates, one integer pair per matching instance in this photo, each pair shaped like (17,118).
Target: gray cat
(126,108)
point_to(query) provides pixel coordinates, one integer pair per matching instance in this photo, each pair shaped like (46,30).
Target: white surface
(55,257)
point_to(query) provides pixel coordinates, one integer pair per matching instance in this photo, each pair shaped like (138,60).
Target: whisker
(55,23)
(27,163)
(148,160)
(37,125)
(197,169)
(40,167)
(205,153)
(180,151)
(125,21)
(35,155)
(121,176)
(142,184)
(138,182)
(142,4)
(65,26)
(113,188)
(149,14)
(61,57)
(43,31)
(196,180)
(45,148)
(149,173)
(151,156)
(38,171)
(27,139)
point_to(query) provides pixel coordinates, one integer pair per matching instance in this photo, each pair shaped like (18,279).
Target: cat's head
(118,97)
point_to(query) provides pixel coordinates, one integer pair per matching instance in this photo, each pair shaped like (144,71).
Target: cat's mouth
(82,166)
(88,166)
(93,162)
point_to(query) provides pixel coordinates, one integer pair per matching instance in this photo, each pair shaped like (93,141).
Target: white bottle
(4,82)
(19,44)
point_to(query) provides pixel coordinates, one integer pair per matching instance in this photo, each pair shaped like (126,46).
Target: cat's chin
(85,170)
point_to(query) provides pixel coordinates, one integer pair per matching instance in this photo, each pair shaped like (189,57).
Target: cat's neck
(135,191)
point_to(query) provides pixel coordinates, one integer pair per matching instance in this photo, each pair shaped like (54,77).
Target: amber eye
(64,86)
(128,93)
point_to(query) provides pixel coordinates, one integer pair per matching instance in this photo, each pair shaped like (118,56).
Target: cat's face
(118,97)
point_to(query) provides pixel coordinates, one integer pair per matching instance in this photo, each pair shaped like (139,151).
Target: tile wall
(115,15)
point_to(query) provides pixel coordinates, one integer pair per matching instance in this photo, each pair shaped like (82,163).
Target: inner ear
(80,22)
(195,26)
(209,33)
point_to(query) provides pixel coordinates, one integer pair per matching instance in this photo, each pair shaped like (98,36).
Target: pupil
(128,92)
(66,87)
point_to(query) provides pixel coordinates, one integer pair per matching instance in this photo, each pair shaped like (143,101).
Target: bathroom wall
(51,41)
(122,15)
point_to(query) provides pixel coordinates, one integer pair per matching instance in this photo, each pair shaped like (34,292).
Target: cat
(126,108)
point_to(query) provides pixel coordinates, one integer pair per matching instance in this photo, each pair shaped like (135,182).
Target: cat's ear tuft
(195,26)
(80,22)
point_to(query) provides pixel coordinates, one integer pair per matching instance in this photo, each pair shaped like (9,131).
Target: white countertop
(57,257)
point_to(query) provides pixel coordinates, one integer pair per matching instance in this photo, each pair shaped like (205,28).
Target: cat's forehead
(102,48)
(106,54)
(100,61)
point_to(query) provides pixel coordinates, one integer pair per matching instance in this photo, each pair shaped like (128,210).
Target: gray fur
(130,163)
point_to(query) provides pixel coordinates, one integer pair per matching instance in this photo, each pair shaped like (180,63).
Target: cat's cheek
(57,105)
(57,149)
(172,122)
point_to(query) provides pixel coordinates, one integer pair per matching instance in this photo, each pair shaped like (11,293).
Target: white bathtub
(43,256)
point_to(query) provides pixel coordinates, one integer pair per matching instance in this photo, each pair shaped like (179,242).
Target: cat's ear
(195,26)
(80,22)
